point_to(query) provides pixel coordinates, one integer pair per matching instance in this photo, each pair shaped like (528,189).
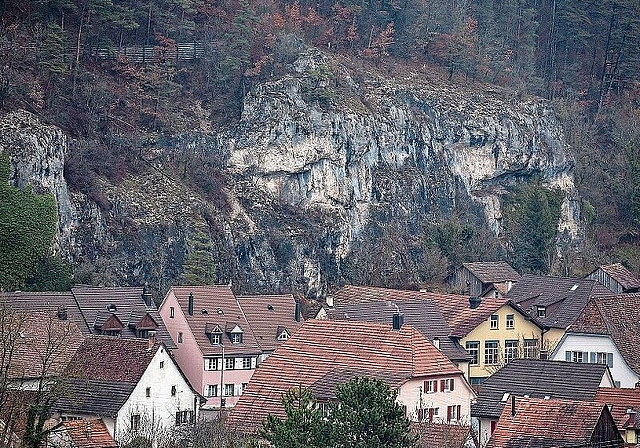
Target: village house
(536,379)
(555,302)
(606,332)
(494,331)
(616,278)
(323,354)
(624,404)
(217,347)
(482,278)
(133,385)
(360,303)
(81,434)
(559,423)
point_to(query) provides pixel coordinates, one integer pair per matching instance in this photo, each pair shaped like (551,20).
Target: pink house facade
(217,347)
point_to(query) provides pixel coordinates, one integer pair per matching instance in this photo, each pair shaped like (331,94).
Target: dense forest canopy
(70,62)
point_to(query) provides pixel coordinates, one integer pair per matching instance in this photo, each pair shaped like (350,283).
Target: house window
(542,311)
(173,391)
(135,422)
(491,352)
(236,338)
(446,385)
(212,363)
(162,364)
(427,414)
(494,321)
(246,363)
(430,386)
(211,390)
(510,323)
(180,337)
(147,392)
(530,348)
(229,363)
(215,338)
(183,418)
(473,347)
(510,350)
(229,390)
(575,356)
(602,358)
(172,312)
(244,386)
(325,408)
(453,412)
(283,336)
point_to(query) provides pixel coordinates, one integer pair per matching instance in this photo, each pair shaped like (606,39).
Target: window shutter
(425,387)
(452,380)
(585,356)
(435,385)
(567,355)
(592,357)
(458,414)
(420,414)
(448,413)
(430,414)
(442,385)
(610,360)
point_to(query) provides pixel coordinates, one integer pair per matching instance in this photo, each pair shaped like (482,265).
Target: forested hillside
(108,73)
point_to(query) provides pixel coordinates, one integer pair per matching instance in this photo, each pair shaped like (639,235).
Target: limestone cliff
(316,156)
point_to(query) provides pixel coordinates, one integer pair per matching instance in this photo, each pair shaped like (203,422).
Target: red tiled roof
(619,401)
(540,423)
(42,338)
(441,435)
(215,305)
(492,271)
(461,317)
(618,317)
(622,275)
(268,315)
(113,359)
(89,434)
(321,346)
(359,294)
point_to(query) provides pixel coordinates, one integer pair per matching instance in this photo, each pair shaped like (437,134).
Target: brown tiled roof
(538,378)
(563,297)
(42,339)
(96,303)
(112,359)
(322,346)
(215,305)
(620,401)
(50,302)
(442,435)
(13,411)
(420,311)
(492,271)
(622,275)
(268,315)
(617,317)
(540,423)
(89,434)
(350,294)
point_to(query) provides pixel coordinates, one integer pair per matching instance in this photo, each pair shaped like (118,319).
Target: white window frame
(530,349)
(211,388)
(430,386)
(471,350)
(491,353)
(229,363)
(510,322)
(246,361)
(494,322)
(229,387)
(212,364)
(511,349)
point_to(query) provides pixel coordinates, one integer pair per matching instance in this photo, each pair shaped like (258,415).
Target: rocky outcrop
(317,156)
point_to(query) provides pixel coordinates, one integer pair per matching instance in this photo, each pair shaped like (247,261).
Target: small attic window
(205,312)
(505,397)
(220,312)
(112,308)
(283,336)
(270,307)
(574,287)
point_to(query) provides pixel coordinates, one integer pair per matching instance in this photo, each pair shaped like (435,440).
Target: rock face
(317,156)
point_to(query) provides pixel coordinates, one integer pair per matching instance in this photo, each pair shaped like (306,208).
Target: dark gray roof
(492,271)
(563,297)
(538,379)
(99,398)
(423,314)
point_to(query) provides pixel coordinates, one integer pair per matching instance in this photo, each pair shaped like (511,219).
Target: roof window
(112,308)
(220,312)
(205,312)
(574,287)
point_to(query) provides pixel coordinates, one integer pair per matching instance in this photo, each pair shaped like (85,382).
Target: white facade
(413,395)
(161,393)
(623,375)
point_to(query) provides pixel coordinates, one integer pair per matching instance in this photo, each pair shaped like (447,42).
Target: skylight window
(505,397)
(574,287)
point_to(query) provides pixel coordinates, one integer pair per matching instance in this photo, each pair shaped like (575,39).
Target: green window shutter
(567,355)
(610,360)
(592,357)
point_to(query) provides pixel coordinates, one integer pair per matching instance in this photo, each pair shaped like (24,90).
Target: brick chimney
(152,339)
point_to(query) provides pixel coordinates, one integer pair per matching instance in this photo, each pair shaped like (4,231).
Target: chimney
(152,339)
(513,405)
(62,313)
(398,320)
(190,309)
(146,295)
(474,302)
(298,311)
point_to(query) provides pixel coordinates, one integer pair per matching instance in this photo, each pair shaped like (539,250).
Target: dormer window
(542,311)
(214,333)
(283,336)
(215,338)
(236,338)
(112,308)
(234,332)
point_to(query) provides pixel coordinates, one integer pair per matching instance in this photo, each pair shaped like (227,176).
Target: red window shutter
(435,385)
(493,426)
(442,385)
(420,414)
(452,380)
(448,413)
(426,387)
(458,414)
(430,414)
